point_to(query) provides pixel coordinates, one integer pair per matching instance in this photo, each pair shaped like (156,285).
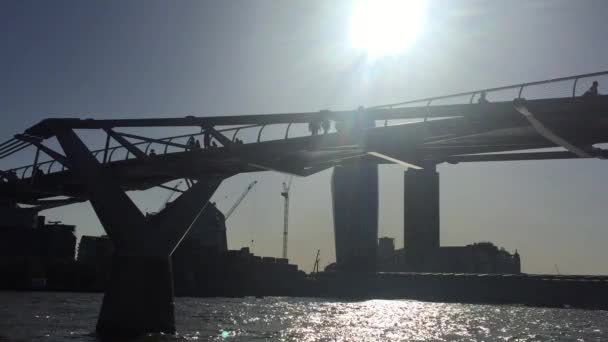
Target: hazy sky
(115,59)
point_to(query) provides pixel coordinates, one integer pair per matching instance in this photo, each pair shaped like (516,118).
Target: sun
(386,27)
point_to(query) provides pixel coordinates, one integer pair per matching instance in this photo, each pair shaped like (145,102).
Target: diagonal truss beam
(219,136)
(170,188)
(125,143)
(151,140)
(51,153)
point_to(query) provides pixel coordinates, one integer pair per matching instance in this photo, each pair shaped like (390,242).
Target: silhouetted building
(48,242)
(421,216)
(32,251)
(202,264)
(481,257)
(95,260)
(11,216)
(203,245)
(55,241)
(94,249)
(354,191)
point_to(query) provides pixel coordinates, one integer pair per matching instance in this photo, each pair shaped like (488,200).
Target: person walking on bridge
(314,127)
(206,140)
(482,98)
(325,125)
(592,90)
(190,143)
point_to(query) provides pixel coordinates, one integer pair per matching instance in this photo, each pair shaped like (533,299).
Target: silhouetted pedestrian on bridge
(314,127)
(152,153)
(12,175)
(38,172)
(206,140)
(593,90)
(197,144)
(190,143)
(326,125)
(482,98)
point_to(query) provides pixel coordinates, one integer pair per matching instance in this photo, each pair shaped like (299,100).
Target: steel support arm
(395,160)
(120,217)
(546,132)
(511,157)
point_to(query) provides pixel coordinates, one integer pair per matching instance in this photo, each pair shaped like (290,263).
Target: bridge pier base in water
(139,298)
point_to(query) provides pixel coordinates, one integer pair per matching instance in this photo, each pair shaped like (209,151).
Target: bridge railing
(106,155)
(521,86)
(47,166)
(471,94)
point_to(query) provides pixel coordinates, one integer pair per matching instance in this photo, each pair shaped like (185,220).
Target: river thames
(42,316)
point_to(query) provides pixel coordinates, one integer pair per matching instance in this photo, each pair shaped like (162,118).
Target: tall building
(421,216)
(354,190)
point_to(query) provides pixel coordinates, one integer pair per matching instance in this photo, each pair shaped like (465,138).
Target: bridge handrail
(111,150)
(521,86)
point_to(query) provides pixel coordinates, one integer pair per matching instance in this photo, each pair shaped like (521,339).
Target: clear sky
(115,59)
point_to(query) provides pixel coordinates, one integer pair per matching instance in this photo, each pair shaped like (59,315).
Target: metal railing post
(574,87)
(287,130)
(167,146)
(521,89)
(260,133)
(105,150)
(35,167)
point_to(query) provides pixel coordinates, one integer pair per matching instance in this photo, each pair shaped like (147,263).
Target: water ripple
(71,317)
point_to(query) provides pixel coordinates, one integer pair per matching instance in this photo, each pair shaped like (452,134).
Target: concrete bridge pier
(139,298)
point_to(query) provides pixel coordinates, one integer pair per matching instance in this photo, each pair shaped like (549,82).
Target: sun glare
(386,27)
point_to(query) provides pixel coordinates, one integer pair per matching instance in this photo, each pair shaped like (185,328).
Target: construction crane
(239,200)
(315,267)
(285,194)
(557,270)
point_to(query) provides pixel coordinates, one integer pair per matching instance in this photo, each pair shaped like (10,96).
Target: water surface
(40,316)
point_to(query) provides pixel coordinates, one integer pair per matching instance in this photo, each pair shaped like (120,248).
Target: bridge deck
(449,133)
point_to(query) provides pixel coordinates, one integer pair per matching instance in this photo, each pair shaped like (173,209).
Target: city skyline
(549,210)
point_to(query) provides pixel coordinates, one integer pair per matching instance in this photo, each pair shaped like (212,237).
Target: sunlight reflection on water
(71,317)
